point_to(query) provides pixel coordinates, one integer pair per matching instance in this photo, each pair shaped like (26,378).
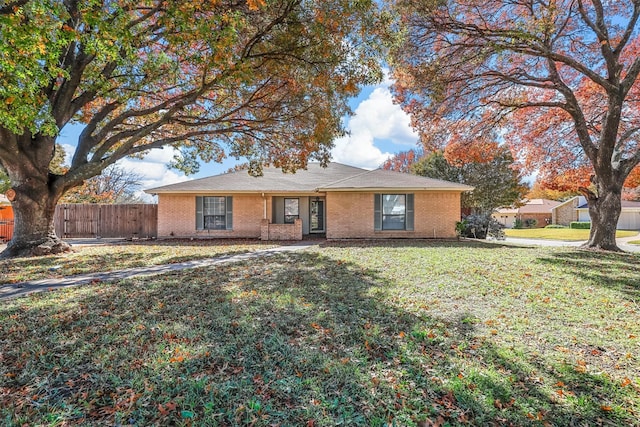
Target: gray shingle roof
(384,179)
(623,203)
(335,177)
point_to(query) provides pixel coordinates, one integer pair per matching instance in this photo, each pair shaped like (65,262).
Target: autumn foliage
(265,80)
(557,81)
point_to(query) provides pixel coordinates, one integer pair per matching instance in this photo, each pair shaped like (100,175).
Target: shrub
(461,226)
(517,223)
(479,226)
(530,222)
(582,225)
(556,226)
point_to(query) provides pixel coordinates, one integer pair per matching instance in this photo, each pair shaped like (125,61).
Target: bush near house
(479,227)
(580,225)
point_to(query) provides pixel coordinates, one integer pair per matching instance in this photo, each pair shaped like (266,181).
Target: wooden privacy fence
(6,230)
(90,220)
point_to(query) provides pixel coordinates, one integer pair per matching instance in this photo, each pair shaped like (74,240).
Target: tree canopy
(265,79)
(558,79)
(496,180)
(114,185)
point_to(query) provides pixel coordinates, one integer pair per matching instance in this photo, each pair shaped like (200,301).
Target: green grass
(354,333)
(634,242)
(566,234)
(107,257)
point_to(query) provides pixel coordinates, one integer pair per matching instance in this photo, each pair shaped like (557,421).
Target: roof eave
(399,189)
(204,191)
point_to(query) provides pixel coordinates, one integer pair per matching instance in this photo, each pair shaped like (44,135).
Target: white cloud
(153,170)
(376,119)
(68,152)
(358,150)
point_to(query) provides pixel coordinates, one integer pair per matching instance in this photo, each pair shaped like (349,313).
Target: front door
(316,213)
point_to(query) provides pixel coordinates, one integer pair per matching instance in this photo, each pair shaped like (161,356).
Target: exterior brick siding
(281,231)
(177,216)
(350,216)
(565,214)
(542,219)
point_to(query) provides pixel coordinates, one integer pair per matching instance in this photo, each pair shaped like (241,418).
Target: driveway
(622,242)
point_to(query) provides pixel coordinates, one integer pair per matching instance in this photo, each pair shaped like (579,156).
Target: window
(291,210)
(393,212)
(214,213)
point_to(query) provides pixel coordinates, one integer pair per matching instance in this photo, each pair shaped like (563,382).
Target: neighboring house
(567,212)
(576,209)
(538,211)
(629,215)
(339,201)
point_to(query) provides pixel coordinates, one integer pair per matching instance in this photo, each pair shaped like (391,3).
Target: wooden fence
(90,220)
(6,230)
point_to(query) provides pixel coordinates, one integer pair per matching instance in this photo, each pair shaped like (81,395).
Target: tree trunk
(604,210)
(36,192)
(34,231)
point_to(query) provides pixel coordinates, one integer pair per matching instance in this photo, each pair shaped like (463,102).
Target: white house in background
(576,209)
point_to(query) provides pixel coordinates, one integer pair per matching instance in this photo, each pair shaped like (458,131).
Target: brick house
(339,202)
(534,211)
(577,209)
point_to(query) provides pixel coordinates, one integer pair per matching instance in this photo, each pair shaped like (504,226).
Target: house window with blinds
(214,213)
(291,210)
(393,212)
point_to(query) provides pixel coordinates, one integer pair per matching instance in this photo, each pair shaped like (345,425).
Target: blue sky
(377,130)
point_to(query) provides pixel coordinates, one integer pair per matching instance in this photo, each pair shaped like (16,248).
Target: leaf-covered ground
(354,333)
(107,257)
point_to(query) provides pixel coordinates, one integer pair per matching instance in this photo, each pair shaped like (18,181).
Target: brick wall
(566,213)
(177,217)
(542,219)
(281,231)
(350,215)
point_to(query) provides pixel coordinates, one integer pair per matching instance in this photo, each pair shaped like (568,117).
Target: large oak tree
(265,79)
(559,79)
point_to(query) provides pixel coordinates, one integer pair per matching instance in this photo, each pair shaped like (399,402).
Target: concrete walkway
(622,242)
(14,290)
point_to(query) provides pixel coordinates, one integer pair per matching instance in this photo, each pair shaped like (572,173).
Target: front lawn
(355,333)
(566,234)
(107,257)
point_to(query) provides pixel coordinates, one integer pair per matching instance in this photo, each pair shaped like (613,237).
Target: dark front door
(316,213)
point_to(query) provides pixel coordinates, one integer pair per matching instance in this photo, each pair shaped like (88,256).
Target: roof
(335,177)
(532,206)
(384,179)
(576,199)
(538,206)
(625,204)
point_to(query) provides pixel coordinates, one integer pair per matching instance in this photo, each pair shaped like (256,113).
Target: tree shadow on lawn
(293,339)
(203,241)
(14,270)
(617,271)
(420,243)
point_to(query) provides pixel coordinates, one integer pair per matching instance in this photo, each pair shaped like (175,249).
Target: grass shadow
(616,271)
(292,339)
(420,243)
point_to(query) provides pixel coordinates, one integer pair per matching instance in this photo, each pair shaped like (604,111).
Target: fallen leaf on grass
(166,408)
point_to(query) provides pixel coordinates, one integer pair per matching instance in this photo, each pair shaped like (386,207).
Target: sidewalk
(622,242)
(14,290)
